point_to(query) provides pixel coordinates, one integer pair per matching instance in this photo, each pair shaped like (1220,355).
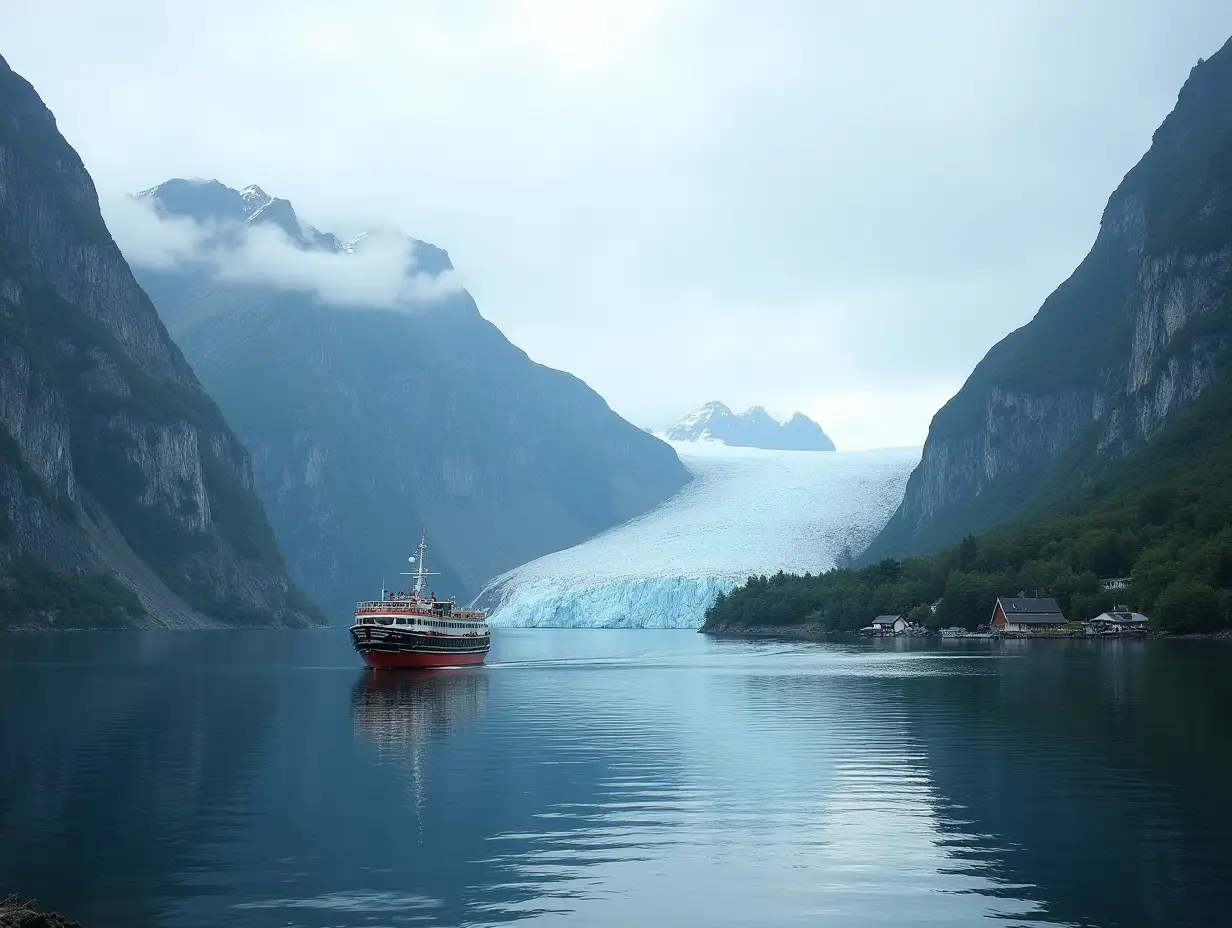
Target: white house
(1118,622)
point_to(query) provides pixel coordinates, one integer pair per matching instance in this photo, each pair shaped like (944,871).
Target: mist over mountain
(753,428)
(381,401)
(125,498)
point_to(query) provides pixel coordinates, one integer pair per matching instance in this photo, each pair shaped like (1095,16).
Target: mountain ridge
(367,423)
(211,201)
(753,428)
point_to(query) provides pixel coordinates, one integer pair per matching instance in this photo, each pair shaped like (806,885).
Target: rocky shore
(14,913)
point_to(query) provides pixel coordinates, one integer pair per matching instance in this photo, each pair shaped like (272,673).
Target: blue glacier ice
(747,511)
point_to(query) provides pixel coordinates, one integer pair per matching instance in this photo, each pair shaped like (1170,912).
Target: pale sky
(836,208)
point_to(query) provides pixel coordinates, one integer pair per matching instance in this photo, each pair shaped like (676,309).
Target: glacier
(746,511)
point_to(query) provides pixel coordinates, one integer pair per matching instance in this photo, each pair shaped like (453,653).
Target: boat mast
(419,575)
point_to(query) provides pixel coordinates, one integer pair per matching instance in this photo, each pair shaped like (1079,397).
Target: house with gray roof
(1120,621)
(1026,614)
(889,625)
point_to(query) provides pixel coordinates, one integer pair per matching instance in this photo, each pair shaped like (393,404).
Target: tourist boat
(409,629)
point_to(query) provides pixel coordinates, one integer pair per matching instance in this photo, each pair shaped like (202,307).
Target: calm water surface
(616,778)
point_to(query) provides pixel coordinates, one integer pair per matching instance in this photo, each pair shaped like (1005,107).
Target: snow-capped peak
(753,428)
(700,417)
(758,414)
(254,198)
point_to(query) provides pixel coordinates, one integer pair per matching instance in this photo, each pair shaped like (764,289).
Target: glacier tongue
(746,511)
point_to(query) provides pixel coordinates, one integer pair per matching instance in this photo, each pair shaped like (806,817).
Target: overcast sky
(836,208)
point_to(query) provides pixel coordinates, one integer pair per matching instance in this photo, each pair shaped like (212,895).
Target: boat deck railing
(421,625)
(424,609)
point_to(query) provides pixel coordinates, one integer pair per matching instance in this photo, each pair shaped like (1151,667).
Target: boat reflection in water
(404,712)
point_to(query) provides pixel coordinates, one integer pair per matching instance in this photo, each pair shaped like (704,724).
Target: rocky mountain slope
(125,499)
(753,428)
(366,423)
(1135,336)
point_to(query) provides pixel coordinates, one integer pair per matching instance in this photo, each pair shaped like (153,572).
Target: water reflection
(401,713)
(529,800)
(612,779)
(1096,771)
(877,837)
(121,756)
(404,711)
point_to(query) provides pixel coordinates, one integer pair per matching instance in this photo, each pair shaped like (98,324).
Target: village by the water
(1025,616)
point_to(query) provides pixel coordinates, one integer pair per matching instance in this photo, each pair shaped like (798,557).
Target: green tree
(968,551)
(1186,605)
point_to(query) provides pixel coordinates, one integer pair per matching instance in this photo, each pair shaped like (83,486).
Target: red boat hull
(411,660)
(389,647)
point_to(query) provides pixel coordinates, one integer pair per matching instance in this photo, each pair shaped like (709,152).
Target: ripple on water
(591,778)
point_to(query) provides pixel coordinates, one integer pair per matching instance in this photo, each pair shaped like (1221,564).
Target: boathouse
(889,625)
(1024,614)
(1120,621)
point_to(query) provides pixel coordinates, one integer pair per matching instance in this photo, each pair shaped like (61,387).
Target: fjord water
(616,777)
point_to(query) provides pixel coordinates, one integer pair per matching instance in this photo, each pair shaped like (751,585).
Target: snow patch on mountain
(254,198)
(747,511)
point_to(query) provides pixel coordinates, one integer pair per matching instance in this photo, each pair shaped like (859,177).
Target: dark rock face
(753,428)
(122,490)
(367,423)
(1139,331)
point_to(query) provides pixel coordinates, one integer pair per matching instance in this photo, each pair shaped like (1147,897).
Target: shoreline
(791,632)
(818,633)
(190,629)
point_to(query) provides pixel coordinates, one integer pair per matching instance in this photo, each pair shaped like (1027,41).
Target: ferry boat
(409,629)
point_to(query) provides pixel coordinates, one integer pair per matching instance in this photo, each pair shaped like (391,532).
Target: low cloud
(380,274)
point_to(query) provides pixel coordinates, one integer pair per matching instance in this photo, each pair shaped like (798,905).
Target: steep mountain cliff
(365,423)
(1135,336)
(753,428)
(124,497)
